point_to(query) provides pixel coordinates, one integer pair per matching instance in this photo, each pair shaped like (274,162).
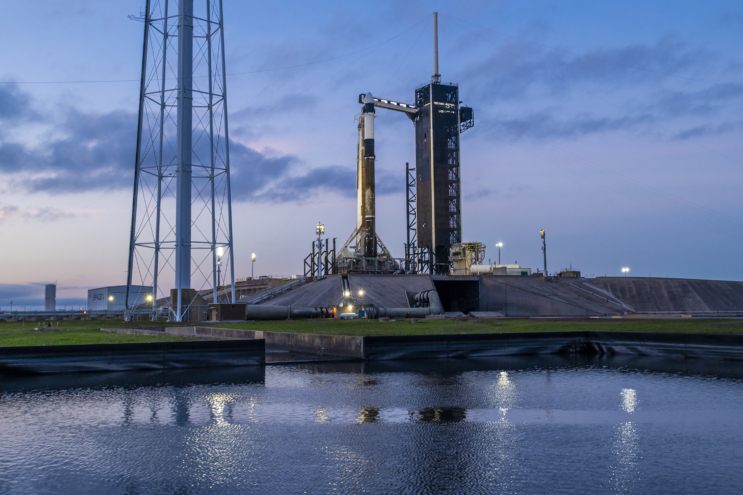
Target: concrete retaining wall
(128,357)
(304,343)
(715,347)
(311,343)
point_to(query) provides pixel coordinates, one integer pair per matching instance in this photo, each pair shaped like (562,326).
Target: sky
(615,126)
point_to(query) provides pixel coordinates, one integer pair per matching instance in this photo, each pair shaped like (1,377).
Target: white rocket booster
(370,238)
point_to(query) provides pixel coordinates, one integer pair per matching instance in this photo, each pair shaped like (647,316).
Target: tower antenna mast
(436,76)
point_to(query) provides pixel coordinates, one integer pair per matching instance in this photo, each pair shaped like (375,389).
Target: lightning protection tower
(181,210)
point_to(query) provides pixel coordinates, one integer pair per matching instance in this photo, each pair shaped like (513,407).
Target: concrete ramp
(670,294)
(529,296)
(387,291)
(318,294)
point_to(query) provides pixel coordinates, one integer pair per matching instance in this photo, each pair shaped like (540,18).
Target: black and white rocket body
(369,228)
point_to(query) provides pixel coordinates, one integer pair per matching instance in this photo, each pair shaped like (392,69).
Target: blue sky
(613,125)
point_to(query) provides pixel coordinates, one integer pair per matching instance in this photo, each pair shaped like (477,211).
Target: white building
(112,298)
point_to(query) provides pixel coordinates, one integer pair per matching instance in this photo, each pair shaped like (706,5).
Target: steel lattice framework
(181,233)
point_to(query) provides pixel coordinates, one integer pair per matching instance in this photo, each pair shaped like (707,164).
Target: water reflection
(457,427)
(442,414)
(180,409)
(220,407)
(368,415)
(321,415)
(629,399)
(505,392)
(367,383)
(627,449)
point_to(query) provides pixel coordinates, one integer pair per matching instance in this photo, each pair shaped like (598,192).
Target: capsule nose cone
(368,98)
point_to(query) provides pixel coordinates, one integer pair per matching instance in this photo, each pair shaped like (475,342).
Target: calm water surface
(529,425)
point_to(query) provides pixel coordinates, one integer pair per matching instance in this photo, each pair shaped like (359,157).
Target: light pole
(625,270)
(252,266)
(499,245)
(320,229)
(220,253)
(544,250)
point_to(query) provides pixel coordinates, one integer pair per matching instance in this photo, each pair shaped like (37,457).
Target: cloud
(43,214)
(542,125)
(14,105)
(95,152)
(708,130)
(479,193)
(286,104)
(328,179)
(32,295)
(702,102)
(21,295)
(515,69)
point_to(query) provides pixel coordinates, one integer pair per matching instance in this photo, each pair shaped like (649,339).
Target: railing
(275,292)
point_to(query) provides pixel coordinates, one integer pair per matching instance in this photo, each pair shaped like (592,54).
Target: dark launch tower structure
(438,125)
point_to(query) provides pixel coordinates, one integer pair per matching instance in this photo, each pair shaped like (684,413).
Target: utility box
(227,312)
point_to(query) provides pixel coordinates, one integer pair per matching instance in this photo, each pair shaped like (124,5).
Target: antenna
(436,76)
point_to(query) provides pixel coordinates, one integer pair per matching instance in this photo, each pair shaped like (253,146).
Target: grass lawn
(87,332)
(433,327)
(72,332)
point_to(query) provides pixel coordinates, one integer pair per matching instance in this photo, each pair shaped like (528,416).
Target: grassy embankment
(87,332)
(72,332)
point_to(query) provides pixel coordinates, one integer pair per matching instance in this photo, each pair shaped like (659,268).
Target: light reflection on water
(629,400)
(627,449)
(462,427)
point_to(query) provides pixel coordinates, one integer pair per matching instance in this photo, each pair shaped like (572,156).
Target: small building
(511,270)
(112,298)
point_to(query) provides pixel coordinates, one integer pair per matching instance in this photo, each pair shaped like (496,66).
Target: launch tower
(439,121)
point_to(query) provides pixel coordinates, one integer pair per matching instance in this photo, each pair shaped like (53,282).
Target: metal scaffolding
(181,229)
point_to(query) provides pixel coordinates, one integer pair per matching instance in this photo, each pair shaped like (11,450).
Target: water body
(527,425)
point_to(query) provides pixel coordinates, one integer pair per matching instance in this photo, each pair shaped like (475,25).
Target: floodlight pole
(544,251)
(320,231)
(227,151)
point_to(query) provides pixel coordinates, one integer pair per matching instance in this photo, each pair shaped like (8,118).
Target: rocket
(365,179)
